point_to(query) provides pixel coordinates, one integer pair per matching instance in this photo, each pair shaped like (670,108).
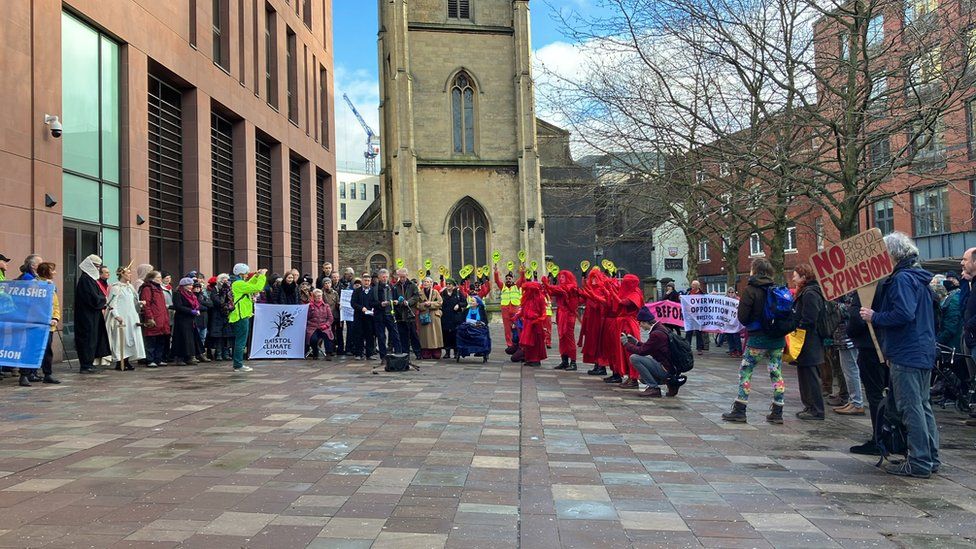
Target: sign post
(857,263)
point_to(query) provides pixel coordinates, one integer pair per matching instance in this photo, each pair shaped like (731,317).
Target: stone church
(460,156)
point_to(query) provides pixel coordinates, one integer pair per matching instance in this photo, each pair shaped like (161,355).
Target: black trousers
(450,339)
(337,329)
(701,342)
(385,328)
(808,379)
(354,339)
(365,337)
(874,375)
(408,337)
(48,360)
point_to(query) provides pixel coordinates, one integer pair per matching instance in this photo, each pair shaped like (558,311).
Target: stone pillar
(331,235)
(197,187)
(280,213)
(245,191)
(308,235)
(134,107)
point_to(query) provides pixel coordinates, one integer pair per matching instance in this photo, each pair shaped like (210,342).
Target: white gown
(123,303)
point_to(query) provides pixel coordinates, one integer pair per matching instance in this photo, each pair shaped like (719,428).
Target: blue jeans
(241,329)
(735,342)
(852,375)
(651,371)
(911,391)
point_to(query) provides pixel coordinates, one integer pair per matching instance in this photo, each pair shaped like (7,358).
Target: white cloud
(363,90)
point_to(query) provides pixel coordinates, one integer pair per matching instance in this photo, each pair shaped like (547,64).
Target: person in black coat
(361,339)
(220,332)
(806,309)
(91,337)
(286,291)
(381,303)
(874,374)
(186,342)
(454,308)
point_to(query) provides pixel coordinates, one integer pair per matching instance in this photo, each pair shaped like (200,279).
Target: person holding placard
(905,322)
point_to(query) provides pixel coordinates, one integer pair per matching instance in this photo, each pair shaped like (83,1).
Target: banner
(279,331)
(667,312)
(25,322)
(345,306)
(711,313)
(854,263)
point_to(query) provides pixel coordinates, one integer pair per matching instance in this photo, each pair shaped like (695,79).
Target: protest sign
(279,331)
(345,306)
(711,313)
(25,316)
(857,263)
(667,312)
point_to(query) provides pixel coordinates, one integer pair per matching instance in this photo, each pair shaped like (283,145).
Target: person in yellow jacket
(511,299)
(46,273)
(242,287)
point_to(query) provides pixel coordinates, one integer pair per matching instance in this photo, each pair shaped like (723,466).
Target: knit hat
(645,315)
(212,281)
(186,281)
(241,269)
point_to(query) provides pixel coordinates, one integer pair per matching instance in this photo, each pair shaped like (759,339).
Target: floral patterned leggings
(749,362)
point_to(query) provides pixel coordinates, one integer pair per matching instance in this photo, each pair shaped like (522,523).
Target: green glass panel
(110,110)
(110,248)
(110,205)
(79,96)
(80,198)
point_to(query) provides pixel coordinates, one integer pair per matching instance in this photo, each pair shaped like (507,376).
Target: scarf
(190,298)
(90,266)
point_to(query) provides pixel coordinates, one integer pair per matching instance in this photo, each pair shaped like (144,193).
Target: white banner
(279,331)
(711,313)
(345,306)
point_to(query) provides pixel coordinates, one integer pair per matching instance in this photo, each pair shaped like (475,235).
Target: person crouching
(652,356)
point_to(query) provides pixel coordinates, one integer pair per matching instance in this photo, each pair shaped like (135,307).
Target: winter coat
(218,318)
(202,321)
(857,329)
(285,294)
(451,319)
(91,338)
(319,318)
(951,332)
(656,346)
(155,309)
(967,304)
(126,341)
(905,318)
(405,311)
(806,309)
(430,334)
(186,341)
(752,308)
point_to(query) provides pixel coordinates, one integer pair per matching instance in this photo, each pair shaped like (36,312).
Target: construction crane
(372,140)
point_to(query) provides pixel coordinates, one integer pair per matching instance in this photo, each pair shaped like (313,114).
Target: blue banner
(25,322)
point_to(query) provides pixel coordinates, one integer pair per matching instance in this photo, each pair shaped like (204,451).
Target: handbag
(794,344)
(425,318)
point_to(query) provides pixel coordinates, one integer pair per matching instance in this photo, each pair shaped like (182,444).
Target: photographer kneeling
(652,356)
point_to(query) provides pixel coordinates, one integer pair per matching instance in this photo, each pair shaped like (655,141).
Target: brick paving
(326,455)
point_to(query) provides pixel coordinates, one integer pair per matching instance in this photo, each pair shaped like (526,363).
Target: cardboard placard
(859,261)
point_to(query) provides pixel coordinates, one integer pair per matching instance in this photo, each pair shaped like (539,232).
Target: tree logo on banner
(282,321)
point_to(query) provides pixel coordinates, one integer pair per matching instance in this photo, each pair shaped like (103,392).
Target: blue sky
(355,28)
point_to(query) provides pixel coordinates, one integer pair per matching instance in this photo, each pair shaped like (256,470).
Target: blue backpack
(778,318)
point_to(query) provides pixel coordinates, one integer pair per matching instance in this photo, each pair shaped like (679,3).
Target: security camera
(56,128)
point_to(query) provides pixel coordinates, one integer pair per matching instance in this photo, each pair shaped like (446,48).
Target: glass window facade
(931,211)
(884,215)
(90,112)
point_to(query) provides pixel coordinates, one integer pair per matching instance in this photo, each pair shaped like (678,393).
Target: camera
(56,128)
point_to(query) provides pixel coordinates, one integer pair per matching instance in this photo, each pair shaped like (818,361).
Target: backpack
(889,433)
(679,349)
(397,362)
(778,318)
(829,318)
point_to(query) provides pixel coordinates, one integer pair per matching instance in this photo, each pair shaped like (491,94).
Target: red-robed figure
(624,299)
(568,297)
(591,333)
(532,339)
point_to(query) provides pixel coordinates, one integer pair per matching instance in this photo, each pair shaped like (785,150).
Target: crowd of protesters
(143,318)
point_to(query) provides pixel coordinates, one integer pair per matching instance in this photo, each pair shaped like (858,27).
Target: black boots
(597,371)
(737,414)
(775,414)
(571,367)
(24,381)
(564,364)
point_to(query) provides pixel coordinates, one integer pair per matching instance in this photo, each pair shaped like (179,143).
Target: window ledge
(791,251)
(704,261)
(223,68)
(758,255)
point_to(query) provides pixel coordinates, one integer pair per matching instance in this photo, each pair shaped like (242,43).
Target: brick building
(195,134)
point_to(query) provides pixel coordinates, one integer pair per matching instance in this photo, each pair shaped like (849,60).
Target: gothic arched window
(377,262)
(469,235)
(462,111)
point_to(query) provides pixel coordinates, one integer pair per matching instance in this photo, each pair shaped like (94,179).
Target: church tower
(457,114)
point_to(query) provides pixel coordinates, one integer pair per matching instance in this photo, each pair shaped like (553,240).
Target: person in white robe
(122,321)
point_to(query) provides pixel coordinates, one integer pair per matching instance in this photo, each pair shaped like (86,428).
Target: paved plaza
(469,455)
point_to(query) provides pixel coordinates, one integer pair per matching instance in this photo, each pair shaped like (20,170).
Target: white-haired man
(905,319)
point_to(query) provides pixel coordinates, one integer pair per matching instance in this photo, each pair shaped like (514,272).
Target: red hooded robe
(568,296)
(592,332)
(532,340)
(623,305)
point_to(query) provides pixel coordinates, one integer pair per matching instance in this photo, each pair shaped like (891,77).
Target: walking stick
(64,349)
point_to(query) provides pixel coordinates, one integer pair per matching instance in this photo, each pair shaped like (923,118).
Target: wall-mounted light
(49,201)
(140,220)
